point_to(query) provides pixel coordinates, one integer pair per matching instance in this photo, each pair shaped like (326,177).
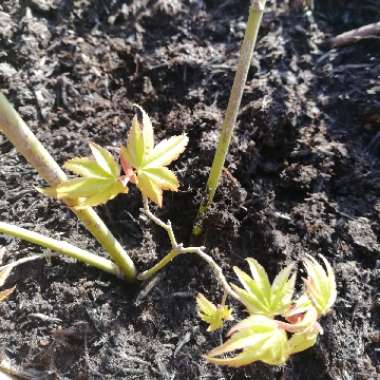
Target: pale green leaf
(110,192)
(252,297)
(145,125)
(250,301)
(86,167)
(105,160)
(82,187)
(259,337)
(140,139)
(166,151)
(241,340)
(320,284)
(260,276)
(282,289)
(282,278)
(259,324)
(135,150)
(259,296)
(100,180)
(163,177)
(149,188)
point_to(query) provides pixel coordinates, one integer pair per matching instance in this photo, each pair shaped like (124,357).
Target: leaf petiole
(179,249)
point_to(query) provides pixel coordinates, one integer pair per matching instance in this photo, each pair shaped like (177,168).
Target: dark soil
(303,176)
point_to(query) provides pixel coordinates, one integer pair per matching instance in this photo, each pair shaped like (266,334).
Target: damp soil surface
(302,177)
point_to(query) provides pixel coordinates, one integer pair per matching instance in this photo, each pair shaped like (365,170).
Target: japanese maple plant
(279,321)
(261,336)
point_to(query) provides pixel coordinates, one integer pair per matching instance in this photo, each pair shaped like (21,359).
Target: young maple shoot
(28,145)
(211,314)
(144,164)
(261,337)
(100,180)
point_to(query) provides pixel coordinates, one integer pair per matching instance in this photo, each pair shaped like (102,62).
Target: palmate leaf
(259,296)
(260,339)
(100,180)
(212,314)
(148,161)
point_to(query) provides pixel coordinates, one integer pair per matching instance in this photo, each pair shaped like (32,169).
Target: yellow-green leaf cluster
(98,183)
(259,296)
(211,314)
(261,337)
(148,160)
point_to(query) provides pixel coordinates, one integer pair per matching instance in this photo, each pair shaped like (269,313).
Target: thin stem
(217,271)
(246,52)
(179,249)
(31,148)
(157,267)
(61,247)
(27,260)
(166,226)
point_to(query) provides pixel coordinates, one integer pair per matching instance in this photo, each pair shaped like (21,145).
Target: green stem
(246,52)
(62,247)
(179,249)
(31,148)
(157,267)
